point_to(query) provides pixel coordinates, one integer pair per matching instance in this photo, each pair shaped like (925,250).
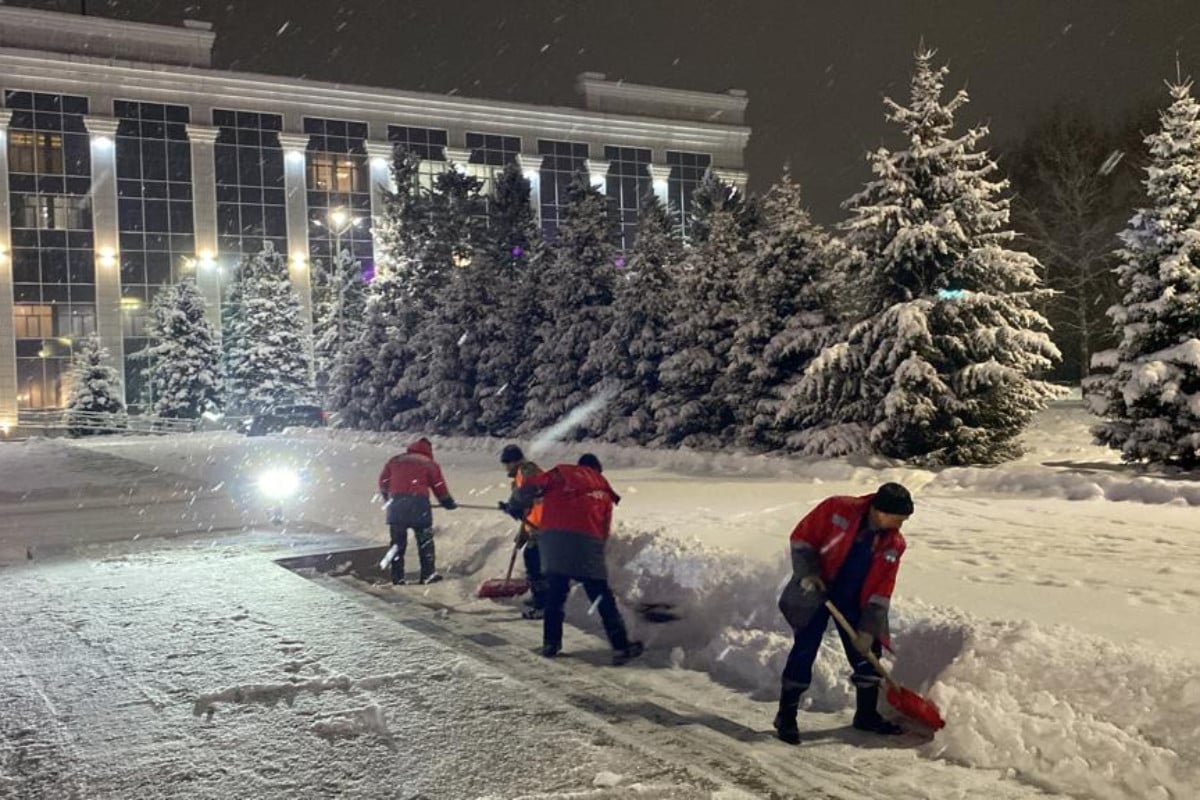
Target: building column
(204,211)
(295,182)
(734,177)
(8,332)
(660,179)
(598,173)
(103,132)
(531,168)
(460,158)
(380,155)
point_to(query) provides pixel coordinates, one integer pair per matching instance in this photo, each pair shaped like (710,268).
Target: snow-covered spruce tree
(1151,392)
(786,300)
(942,366)
(711,195)
(446,341)
(95,389)
(359,386)
(184,357)
(509,261)
(693,407)
(265,344)
(339,301)
(576,292)
(366,372)
(631,350)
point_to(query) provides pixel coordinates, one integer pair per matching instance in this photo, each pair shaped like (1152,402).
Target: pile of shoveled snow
(1069,712)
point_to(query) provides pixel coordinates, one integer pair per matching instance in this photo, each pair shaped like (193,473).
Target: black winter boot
(786,727)
(627,654)
(867,716)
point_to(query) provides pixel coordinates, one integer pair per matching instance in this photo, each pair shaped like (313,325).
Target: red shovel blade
(915,707)
(503,587)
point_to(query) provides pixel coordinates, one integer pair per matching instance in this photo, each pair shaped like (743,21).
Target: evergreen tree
(184,356)
(941,366)
(576,292)
(710,196)
(631,351)
(448,310)
(510,260)
(785,299)
(1151,394)
(367,372)
(693,407)
(339,303)
(95,389)
(359,388)
(265,344)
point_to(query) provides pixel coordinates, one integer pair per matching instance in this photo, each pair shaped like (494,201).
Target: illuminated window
(36,153)
(338,189)
(33,322)
(51,212)
(329,172)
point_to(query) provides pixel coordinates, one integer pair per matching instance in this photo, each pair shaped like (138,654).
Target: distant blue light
(517,252)
(620,262)
(951,294)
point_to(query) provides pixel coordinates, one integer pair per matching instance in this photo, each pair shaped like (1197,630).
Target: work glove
(812,583)
(448,503)
(515,513)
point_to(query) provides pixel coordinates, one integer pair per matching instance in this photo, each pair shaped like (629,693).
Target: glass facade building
(124,170)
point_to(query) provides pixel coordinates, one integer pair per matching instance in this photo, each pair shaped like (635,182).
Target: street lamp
(340,221)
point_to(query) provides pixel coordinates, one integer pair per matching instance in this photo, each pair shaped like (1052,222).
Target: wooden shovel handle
(853,634)
(512,562)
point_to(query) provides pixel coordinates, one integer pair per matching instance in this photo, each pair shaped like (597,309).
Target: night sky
(815,71)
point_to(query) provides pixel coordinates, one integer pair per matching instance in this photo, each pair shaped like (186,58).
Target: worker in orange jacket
(846,550)
(520,470)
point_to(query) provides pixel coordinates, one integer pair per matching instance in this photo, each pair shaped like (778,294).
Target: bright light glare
(211,416)
(279,483)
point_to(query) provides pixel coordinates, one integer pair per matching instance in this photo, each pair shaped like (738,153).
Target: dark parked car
(280,417)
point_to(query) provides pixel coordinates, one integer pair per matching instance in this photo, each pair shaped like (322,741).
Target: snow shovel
(508,586)
(906,701)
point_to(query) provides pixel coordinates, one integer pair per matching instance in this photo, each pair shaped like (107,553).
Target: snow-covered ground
(1044,605)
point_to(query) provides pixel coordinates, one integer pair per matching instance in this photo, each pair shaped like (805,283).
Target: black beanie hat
(892,498)
(591,462)
(510,454)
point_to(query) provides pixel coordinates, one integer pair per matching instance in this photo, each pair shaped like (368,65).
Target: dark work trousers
(533,571)
(557,589)
(846,595)
(424,537)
